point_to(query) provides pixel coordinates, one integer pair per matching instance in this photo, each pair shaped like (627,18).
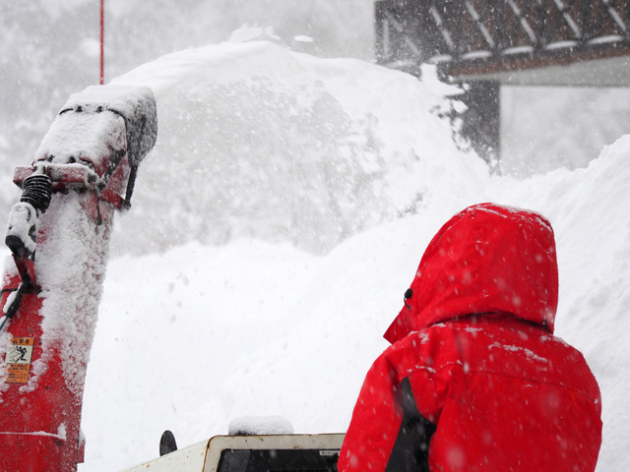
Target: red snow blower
(58,234)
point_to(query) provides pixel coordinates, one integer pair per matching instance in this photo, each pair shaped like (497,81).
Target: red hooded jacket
(474,379)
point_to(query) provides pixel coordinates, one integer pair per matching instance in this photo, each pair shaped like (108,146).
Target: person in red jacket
(474,379)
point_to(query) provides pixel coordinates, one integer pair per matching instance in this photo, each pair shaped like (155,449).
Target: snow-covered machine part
(112,123)
(135,105)
(279,453)
(59,236)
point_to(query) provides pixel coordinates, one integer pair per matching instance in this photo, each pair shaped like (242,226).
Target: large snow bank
(256,140)
(194,337)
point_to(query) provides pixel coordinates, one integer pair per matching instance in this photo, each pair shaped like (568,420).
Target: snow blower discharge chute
(58,234)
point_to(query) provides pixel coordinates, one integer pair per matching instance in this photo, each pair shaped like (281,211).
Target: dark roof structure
(524,42)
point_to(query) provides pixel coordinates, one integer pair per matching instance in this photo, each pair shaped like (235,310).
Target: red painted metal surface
(40,421)
(40,428)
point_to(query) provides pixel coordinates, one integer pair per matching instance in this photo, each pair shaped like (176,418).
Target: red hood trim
(486,259)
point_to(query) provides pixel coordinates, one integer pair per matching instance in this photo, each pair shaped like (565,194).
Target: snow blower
(58,234)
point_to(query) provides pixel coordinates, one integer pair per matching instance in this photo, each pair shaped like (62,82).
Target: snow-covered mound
(194,337)
(256,140)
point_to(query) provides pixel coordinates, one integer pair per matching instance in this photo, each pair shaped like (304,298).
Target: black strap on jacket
(411,449)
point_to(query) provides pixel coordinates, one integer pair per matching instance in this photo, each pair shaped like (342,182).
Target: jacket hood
(486,259)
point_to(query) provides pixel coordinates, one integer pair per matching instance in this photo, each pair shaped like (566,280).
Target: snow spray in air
(58,234)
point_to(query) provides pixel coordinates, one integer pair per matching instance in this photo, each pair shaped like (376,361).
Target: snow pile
(258,141)
(305,153)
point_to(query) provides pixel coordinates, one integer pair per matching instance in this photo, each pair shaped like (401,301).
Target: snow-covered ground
(274,230)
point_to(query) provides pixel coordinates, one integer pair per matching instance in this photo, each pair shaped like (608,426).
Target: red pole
(102,41)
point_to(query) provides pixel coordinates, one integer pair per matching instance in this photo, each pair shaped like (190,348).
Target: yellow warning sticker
(18,359)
